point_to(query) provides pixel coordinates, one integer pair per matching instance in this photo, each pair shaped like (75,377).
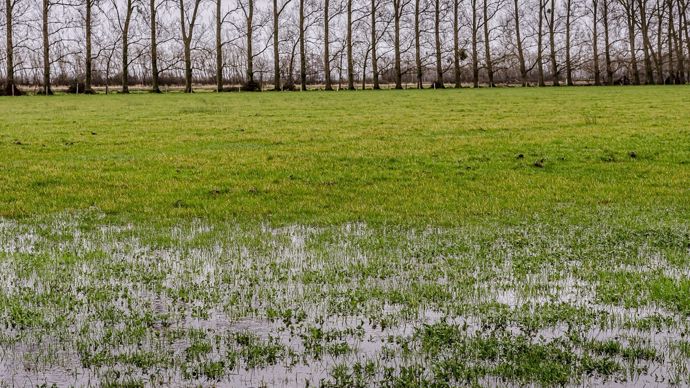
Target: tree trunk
(679,45)
(607,42)
(374,58)
(552,44)
(364,69)
(340,70)
(302,50)
(397,14)
(350,60)
(518,41)
(46,49)
(417,43)
(251,84)
(9,48)
(568,62)
(187,66)
(686,28)
(107,72)
(87,63)
(326,46)
(291,68)
(671,70)
(630,13)
(10,85)
(155,88)
(659,57)
(187,34)
(125,47)
(644,26)
(437,36)
(487,45)
(540,44)
(475,53)
(219,47)
(595,43)
(456,43)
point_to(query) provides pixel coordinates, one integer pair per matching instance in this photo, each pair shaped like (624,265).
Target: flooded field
(498,237)
(90,303)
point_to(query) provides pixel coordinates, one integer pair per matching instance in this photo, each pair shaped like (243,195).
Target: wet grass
(475,237)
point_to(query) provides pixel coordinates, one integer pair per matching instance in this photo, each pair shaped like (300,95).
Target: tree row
(296,44)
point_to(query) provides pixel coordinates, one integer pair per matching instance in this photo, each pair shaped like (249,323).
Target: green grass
(414,157)
(534,237)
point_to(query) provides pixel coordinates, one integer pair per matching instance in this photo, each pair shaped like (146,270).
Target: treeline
(291,44)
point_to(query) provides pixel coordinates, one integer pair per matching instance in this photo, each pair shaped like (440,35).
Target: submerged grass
(477,237)
(349,305)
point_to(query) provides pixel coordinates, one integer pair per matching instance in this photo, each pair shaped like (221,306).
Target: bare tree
(219,46)
(519,44)
(326,46)
(568,60)
(595,42)
(54,41)
(659,57)
(670,42)
(456,43)
(374,39)
(153,9)
(678,33)
(552,42)
(10,85)
(646,45)
(302,47)
(88,62)
(540,45)
(475,39)
(437,35)
(124,30)
(417,42)
(683,6)
(630,12)
(487,44)
(46,4)
(277,11)
(248,11)
(350,59)
(187,24)
(607,42)
(398,9)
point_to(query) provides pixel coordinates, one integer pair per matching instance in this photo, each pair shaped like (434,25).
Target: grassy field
(393,238)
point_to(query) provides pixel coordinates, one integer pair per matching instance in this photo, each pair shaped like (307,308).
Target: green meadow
(474,237)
